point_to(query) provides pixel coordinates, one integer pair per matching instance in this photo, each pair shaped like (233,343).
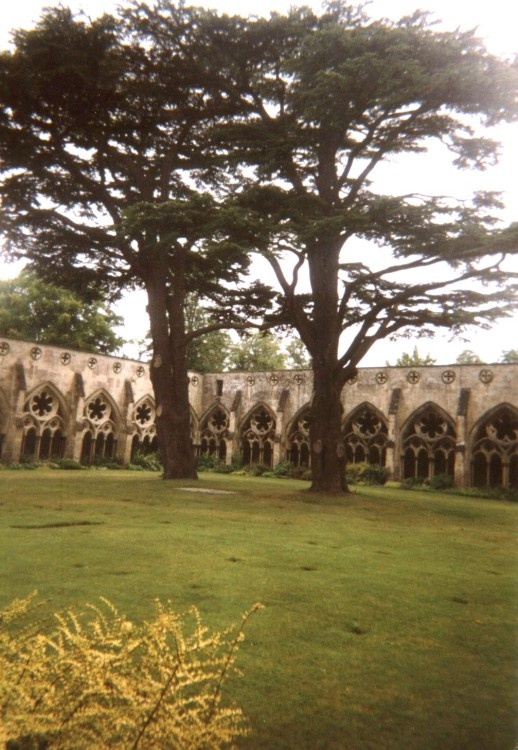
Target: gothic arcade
(459,420)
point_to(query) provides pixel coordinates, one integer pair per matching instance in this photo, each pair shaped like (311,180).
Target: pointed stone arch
(298,451)
(494,448)
(428,440)
(257,436)
(143,422)
(365,432)
(45,414)
(214,432)
(101,425)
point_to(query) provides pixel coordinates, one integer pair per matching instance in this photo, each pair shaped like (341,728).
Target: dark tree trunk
(169,376)
(327,442)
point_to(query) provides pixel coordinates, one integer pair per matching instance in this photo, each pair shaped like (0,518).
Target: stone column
(460,470)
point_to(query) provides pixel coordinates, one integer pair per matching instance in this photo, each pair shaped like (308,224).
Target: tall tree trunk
(327,443)
(326,436)
(169,377)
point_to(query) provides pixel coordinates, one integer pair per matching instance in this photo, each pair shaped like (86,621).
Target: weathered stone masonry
(459,419)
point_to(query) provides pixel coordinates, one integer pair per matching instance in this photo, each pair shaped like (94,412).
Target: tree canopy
(207,353)
(106,170)
(256,351)
(415,359)
(509,356)
(329,99)
(160,147)
(33,310)
(468,357)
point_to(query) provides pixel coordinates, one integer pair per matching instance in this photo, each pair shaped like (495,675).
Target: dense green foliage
(256,351)
(34,310)
(106,177)
(415,359)
(510,355)
(468,357)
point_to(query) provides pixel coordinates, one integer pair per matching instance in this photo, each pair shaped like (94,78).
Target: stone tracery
(428,444)
(144,427)
(495,449)
(43,425)
(99,438)
(365,435)
(214,431)
(257,437)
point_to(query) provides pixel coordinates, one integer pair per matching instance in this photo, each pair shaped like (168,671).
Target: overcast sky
(496,23)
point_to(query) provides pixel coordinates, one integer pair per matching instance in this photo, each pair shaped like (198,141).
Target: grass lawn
(390,619)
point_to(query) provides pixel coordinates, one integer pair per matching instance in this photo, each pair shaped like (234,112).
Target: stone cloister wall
(458,419)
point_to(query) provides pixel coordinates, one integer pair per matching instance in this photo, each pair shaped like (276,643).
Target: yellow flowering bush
(95,679)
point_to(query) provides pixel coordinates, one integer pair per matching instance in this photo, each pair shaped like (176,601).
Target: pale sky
(496,23)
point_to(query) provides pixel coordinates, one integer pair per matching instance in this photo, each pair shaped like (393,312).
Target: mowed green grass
(390,616)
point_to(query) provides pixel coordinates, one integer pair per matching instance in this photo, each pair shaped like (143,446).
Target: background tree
(103,134)
(207,353)
(509,356)
(33,310)
(330,98)
(468,357)
(413,360)
(255,352)
(297,355)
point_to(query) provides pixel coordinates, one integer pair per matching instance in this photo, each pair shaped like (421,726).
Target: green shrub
(353,473)
(410,482)
(147,461)
(237,460)
(98,680)
(24,465)
(257,470)
(67,464)
(440,482)
(299,472)
(374,474)
(212,462)
(103,462)
(282,469)
(364,473)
